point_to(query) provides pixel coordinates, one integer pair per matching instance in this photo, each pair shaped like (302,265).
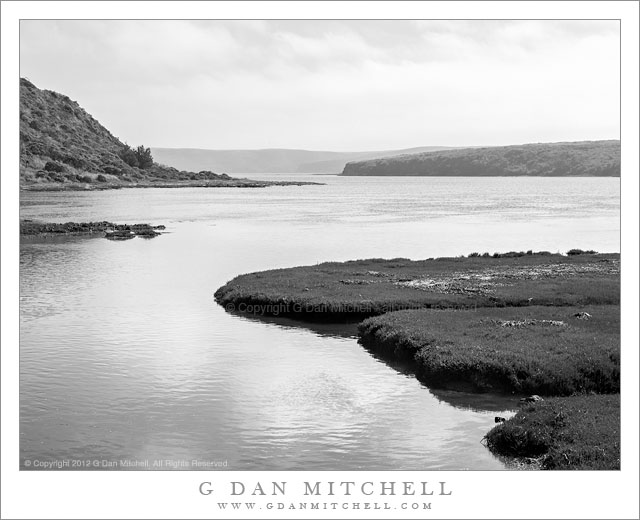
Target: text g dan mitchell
(345,488)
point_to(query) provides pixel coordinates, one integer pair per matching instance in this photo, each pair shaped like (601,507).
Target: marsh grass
(517,322)
(359,289)
(579,432)
(526,350)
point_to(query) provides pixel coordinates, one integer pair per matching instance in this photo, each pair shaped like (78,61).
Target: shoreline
(234,183)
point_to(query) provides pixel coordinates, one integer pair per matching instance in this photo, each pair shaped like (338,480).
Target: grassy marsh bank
(352,291)
(517,322)
(580,432)
(526,350)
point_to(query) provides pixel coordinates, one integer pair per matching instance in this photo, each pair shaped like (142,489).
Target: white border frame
(175,494)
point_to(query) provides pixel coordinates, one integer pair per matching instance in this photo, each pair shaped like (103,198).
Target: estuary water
(126,361)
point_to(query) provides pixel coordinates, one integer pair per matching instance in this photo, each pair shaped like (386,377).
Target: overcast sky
(333,85)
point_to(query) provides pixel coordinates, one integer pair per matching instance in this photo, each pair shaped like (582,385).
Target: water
(124,355)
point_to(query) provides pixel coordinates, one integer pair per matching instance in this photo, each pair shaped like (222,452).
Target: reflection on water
(465,400)
(329,330)
(125,354)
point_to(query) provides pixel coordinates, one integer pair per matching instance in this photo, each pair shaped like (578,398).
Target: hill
(64,147)
(275,160)
(578,159)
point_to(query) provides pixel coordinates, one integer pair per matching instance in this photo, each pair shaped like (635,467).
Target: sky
(333,85)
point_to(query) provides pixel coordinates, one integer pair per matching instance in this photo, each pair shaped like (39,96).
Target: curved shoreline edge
(515,322)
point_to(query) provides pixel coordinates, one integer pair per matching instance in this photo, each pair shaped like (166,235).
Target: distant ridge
(273,160)
(572,159)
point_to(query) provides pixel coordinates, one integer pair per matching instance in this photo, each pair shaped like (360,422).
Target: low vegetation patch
(34,228)
(578,432)
(358,289)
(526,350)
(572,252)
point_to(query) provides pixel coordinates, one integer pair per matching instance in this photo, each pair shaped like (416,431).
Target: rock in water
(531,399)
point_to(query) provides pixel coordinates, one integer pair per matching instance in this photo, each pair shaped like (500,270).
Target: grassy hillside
(579,159)
(271,160)
(61,143)
(63,147)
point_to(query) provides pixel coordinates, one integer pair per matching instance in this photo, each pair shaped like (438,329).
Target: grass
(525,350)
(359,289)
(579,433)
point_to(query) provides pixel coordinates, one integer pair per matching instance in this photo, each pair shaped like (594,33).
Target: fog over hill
(274,160)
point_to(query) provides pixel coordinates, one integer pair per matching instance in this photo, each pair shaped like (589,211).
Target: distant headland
(573,159)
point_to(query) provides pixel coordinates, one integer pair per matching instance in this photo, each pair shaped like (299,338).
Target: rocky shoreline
(31,228)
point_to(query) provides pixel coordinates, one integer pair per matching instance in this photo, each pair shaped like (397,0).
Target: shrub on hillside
(573,252)
(52,166)
(129,156)
(145,160)
(76,162)
(111,170)
(138,158)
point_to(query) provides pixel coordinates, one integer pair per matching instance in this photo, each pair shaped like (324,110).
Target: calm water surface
(125,355)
